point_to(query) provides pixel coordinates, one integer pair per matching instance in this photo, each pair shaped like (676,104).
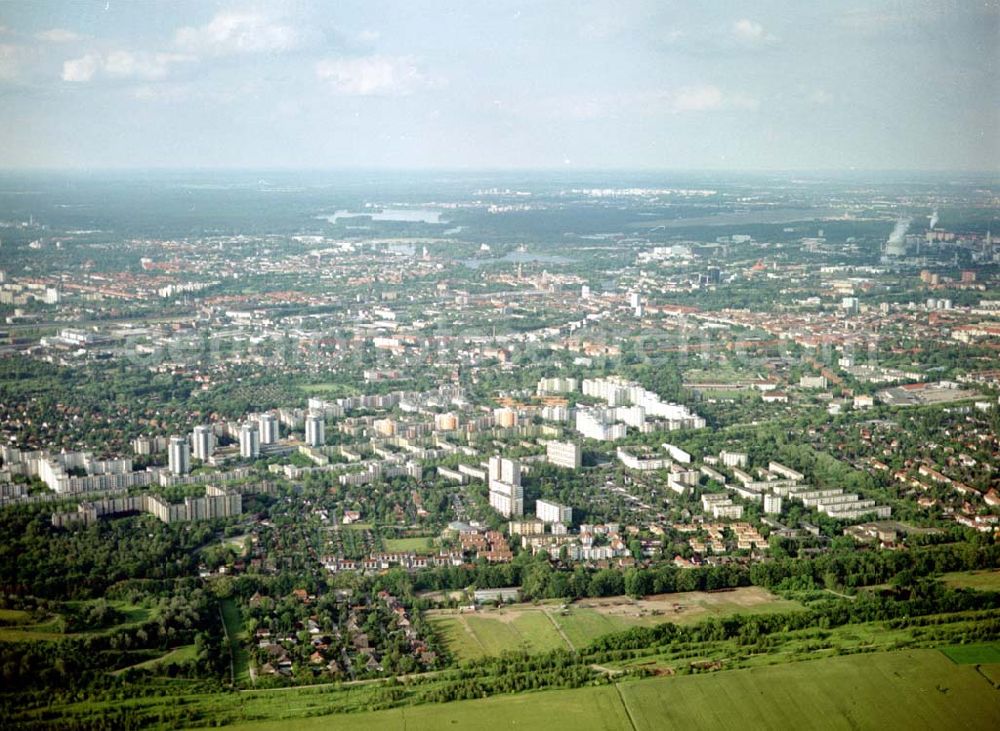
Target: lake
(398,215)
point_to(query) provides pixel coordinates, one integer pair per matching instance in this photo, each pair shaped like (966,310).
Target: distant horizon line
(492,170)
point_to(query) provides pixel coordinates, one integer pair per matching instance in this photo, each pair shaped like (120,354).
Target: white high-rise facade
(564,454)
(506,493)
(550,512)
(315,430)
(772,504)
(179,456)
(249,441)
(268,427)
(203,441)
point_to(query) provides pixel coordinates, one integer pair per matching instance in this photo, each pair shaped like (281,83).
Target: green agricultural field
(990,671)
(986,580)
(405,545)
(982,652)
(837,692)
(832,693)
(598,708)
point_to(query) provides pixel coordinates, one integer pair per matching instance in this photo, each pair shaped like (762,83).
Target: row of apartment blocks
(217,503)
(55,470)
(385,470)
(576,547)
(377,562)
(259,433)
(627,404)
(101,475)
(681,476)
(780,481)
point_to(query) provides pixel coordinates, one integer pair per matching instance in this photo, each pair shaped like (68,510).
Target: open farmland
(837,692)
(832,693)
(974,654)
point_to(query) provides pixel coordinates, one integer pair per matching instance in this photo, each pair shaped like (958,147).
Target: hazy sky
(823,84)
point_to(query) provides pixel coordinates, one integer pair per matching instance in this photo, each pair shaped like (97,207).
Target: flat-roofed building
(564,454)
(551,512)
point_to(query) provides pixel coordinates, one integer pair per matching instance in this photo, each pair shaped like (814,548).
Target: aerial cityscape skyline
(499,365)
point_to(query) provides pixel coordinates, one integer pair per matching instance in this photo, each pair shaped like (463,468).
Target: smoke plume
(899,231)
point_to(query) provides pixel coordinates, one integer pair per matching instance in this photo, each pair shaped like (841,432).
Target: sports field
(985,580)
(541,627)
(851,692)
(406,545)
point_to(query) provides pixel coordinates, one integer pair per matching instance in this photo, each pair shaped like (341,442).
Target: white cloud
(238,32)
(121,65)
(58,35)
(373,75)
(149,66)
(81,69)
(751,32)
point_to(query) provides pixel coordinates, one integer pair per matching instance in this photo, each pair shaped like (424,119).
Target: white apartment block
(556,385)
(634,462)
(564,454)
(733,459)
(550,512)
(786,472)
(616,391)
(677,454)
(202,441)
(267,426)
(596,423)
(556,413)
(179,456)
(315,429)
(506,493)
(772,504)
(249,441)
